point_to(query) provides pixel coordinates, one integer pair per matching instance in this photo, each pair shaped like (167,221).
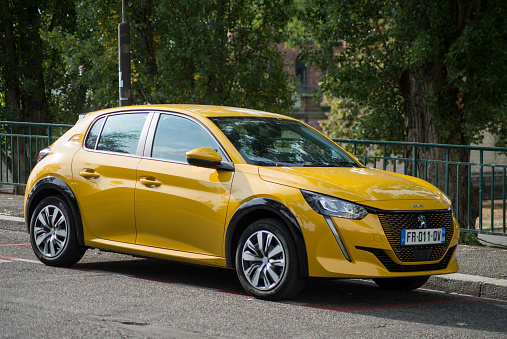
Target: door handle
(89,174)
(150,182)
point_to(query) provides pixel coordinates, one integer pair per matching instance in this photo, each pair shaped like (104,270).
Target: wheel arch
(53,186)
(260,208)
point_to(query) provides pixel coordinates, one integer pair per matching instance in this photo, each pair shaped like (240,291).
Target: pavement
(483,269)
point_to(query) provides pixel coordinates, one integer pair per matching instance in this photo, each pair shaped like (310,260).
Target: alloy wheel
(50,231)
(263,260)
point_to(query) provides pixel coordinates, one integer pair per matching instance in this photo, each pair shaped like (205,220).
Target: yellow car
(257,192)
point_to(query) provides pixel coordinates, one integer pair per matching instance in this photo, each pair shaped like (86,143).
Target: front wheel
(267,261)
(401,284)
(53,233)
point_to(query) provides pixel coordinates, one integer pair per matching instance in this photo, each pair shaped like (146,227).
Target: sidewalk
(483,270)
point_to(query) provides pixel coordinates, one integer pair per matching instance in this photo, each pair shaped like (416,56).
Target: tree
(188,51)
(29,70)
(343,119)
(430,71)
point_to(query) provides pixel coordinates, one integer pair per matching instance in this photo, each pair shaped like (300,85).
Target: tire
(401,284)
(53,233)
(267,262)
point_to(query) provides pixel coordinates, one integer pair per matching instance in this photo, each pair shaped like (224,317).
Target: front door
(179,206)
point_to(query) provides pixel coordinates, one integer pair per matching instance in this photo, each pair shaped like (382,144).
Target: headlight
(334,207)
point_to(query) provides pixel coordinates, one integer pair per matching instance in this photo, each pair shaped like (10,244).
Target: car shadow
(336,295)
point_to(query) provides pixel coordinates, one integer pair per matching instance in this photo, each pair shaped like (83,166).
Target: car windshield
(281,142)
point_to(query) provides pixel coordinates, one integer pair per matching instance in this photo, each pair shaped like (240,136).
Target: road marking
(11,218)
(20,259)
(14,245)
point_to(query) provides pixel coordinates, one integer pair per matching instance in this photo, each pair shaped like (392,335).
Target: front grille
(394,267)
(394,222)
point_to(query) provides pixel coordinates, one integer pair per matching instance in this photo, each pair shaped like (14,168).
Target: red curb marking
(390,306)
(235,293)
(14,245)
(150,279)
(10,258)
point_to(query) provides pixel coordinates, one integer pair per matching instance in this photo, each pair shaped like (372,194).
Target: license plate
(429,236)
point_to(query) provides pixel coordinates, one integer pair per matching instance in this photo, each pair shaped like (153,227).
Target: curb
(472,285)
(494,240)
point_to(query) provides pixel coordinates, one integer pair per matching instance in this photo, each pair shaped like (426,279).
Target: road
(116,295)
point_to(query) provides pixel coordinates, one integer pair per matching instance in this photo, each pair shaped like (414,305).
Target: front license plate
(429,236)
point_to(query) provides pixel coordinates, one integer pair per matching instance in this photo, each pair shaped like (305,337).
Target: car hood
(362,185)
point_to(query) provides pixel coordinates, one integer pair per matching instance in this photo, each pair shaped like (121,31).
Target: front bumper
(369,248)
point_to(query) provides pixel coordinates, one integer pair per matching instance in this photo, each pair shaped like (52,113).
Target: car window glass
(91,139)
(281,142)
(121,133)
(175,136)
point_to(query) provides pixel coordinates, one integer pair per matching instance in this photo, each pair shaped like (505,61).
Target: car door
(104,174)
(179,206)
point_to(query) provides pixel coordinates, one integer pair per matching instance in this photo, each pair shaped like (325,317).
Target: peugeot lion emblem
(422,220)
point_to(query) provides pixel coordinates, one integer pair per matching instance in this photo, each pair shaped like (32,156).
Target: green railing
(478,189)
(20,143)
(471,185)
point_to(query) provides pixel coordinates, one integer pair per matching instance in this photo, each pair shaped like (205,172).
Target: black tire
(402,284)
(273,271)
(53,233)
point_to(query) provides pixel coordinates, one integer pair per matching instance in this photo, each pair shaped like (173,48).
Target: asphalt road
(116,295)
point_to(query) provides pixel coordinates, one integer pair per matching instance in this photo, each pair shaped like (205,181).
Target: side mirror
(206,157)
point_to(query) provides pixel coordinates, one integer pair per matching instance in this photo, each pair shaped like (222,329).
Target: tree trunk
(420,127)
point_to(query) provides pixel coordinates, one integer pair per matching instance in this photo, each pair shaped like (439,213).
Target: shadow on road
(338,295)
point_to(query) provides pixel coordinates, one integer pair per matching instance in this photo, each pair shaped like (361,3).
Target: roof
(201,110)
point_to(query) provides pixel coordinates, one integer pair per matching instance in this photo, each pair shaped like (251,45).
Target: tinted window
(91,139)
(175,136)
(121,133)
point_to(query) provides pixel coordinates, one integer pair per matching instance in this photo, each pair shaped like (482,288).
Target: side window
(121,133)
(93,135)
(175,136)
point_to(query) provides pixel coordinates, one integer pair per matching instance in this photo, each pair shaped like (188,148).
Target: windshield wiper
(329,164)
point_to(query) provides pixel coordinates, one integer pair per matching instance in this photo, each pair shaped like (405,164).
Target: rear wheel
(267,262)
(402,284)
(53,233)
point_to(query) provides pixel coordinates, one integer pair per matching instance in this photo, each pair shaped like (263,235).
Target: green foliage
(220,52)
(471,239)
(343,118)
(456,48)
(206,52)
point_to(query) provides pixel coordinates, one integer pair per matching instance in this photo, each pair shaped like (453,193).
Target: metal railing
(484,187)
(20,143)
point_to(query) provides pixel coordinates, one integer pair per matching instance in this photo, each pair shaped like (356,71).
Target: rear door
(104,173)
